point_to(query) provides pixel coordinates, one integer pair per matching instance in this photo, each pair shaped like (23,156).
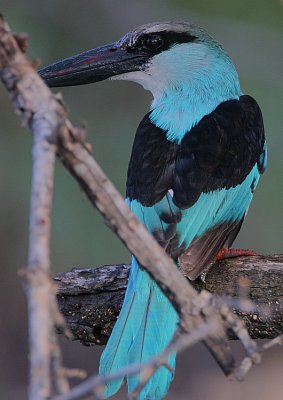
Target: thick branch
(91,298)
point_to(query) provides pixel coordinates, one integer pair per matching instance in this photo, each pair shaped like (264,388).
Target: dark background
(251,31)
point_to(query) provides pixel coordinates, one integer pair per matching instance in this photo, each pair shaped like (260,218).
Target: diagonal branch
(76,157)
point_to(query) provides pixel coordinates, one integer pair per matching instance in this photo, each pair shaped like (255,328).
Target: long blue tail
(144,328)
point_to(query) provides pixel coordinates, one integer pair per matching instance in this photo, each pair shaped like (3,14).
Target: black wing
(219,152)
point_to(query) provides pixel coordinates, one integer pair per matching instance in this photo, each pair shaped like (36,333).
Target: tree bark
(91,298)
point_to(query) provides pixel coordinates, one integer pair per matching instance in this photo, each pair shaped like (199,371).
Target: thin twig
(61,375)
(249,361)
(278,341)
(60,378)
(96,384)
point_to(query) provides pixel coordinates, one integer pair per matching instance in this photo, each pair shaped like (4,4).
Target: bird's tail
(144,328)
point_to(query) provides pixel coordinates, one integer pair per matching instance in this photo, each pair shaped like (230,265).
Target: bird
(196,160)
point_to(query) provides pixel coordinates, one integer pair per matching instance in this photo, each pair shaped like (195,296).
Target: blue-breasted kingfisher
(196,160)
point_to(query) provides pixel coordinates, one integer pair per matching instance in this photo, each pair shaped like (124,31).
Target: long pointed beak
(92,66)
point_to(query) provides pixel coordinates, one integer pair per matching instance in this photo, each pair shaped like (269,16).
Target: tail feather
(145,326)
(112,357)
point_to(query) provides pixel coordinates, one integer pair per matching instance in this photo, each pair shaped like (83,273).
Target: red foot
(229,253)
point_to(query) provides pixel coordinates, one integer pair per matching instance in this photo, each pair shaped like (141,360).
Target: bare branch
(41,112)
(91,298)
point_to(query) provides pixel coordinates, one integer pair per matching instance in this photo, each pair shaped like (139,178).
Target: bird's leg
(229,253)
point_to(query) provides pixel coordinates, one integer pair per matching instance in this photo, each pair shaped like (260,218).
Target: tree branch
(91,298)
(42,114)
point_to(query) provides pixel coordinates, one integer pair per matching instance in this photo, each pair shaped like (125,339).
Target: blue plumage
(196,161)
(213,208)
(146,324)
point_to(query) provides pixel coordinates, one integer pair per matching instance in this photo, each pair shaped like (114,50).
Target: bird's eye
(153,42)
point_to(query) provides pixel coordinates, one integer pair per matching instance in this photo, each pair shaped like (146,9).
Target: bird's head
(156,55)
(187,71)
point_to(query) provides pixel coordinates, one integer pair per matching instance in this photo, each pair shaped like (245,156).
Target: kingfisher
(196,160)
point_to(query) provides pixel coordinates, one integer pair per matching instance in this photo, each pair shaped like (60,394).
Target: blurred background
(251,31)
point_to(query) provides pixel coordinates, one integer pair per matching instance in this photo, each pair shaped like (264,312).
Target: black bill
(92,66)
